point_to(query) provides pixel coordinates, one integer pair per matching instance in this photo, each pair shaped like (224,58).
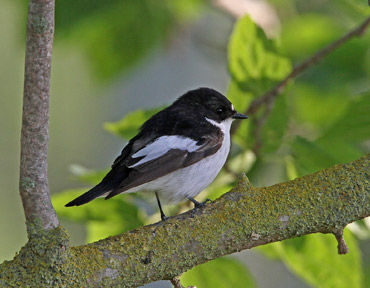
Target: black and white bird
(177,153)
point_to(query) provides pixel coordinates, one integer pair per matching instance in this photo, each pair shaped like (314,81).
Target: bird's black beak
(239,116)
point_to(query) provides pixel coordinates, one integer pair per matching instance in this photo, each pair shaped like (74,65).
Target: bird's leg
(163,217)
(198,204)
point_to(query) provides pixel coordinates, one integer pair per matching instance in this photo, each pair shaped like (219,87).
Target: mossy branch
(243,218)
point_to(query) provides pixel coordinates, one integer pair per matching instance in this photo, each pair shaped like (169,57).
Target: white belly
(189,181)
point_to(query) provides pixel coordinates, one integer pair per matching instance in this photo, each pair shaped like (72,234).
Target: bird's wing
(163,156)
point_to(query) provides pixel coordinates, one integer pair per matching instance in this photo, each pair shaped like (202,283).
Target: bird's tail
(109,183)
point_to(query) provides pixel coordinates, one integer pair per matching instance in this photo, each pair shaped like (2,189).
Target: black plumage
(185,117)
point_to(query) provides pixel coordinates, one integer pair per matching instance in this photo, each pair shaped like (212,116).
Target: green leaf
(62,198)
(340,143)
(267,171)
(98,209)
(317,106)
(128,126)
(97,230)
(241,162)
(220,273)
(310,157)
(246,53)
(103,218)
(255,66)
(354,125)
(275,126)
(313,156)
(86,175)
(240,99)
(316,260)
(253,57)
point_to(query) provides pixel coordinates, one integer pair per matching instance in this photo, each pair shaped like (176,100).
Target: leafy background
(321,119)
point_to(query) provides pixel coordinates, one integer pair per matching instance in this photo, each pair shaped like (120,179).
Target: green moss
(43,257)
(243,218)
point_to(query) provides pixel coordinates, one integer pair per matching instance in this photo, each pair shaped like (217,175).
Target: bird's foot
(164,217)
(197,204)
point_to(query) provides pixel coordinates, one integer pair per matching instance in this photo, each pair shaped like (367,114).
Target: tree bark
(245,217)
(33,182)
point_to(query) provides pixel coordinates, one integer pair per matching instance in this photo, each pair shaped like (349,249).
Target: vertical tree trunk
(33,184)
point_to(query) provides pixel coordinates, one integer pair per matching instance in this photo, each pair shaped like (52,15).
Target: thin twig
(342,246)
(299,68)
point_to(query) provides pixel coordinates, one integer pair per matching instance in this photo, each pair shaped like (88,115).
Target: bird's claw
(197,204)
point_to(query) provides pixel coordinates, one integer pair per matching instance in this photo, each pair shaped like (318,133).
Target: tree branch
(245,217)
(33,182)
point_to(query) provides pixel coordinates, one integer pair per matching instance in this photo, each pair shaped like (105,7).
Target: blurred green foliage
(221,273)
(102,217)
(252,57)
(116,34)
(315,259)
(255,64)
(128,126)
(321,120)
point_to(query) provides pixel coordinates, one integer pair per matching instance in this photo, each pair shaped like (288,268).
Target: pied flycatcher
(177,153)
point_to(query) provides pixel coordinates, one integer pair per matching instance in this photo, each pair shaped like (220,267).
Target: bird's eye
(219,110)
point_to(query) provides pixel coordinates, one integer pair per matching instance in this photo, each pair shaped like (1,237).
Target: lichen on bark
(243,218)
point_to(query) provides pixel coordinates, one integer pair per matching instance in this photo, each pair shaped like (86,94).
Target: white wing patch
(162,145)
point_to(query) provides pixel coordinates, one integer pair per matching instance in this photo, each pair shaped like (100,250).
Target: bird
(176,154)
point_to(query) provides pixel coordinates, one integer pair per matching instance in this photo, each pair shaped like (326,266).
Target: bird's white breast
(190,181)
